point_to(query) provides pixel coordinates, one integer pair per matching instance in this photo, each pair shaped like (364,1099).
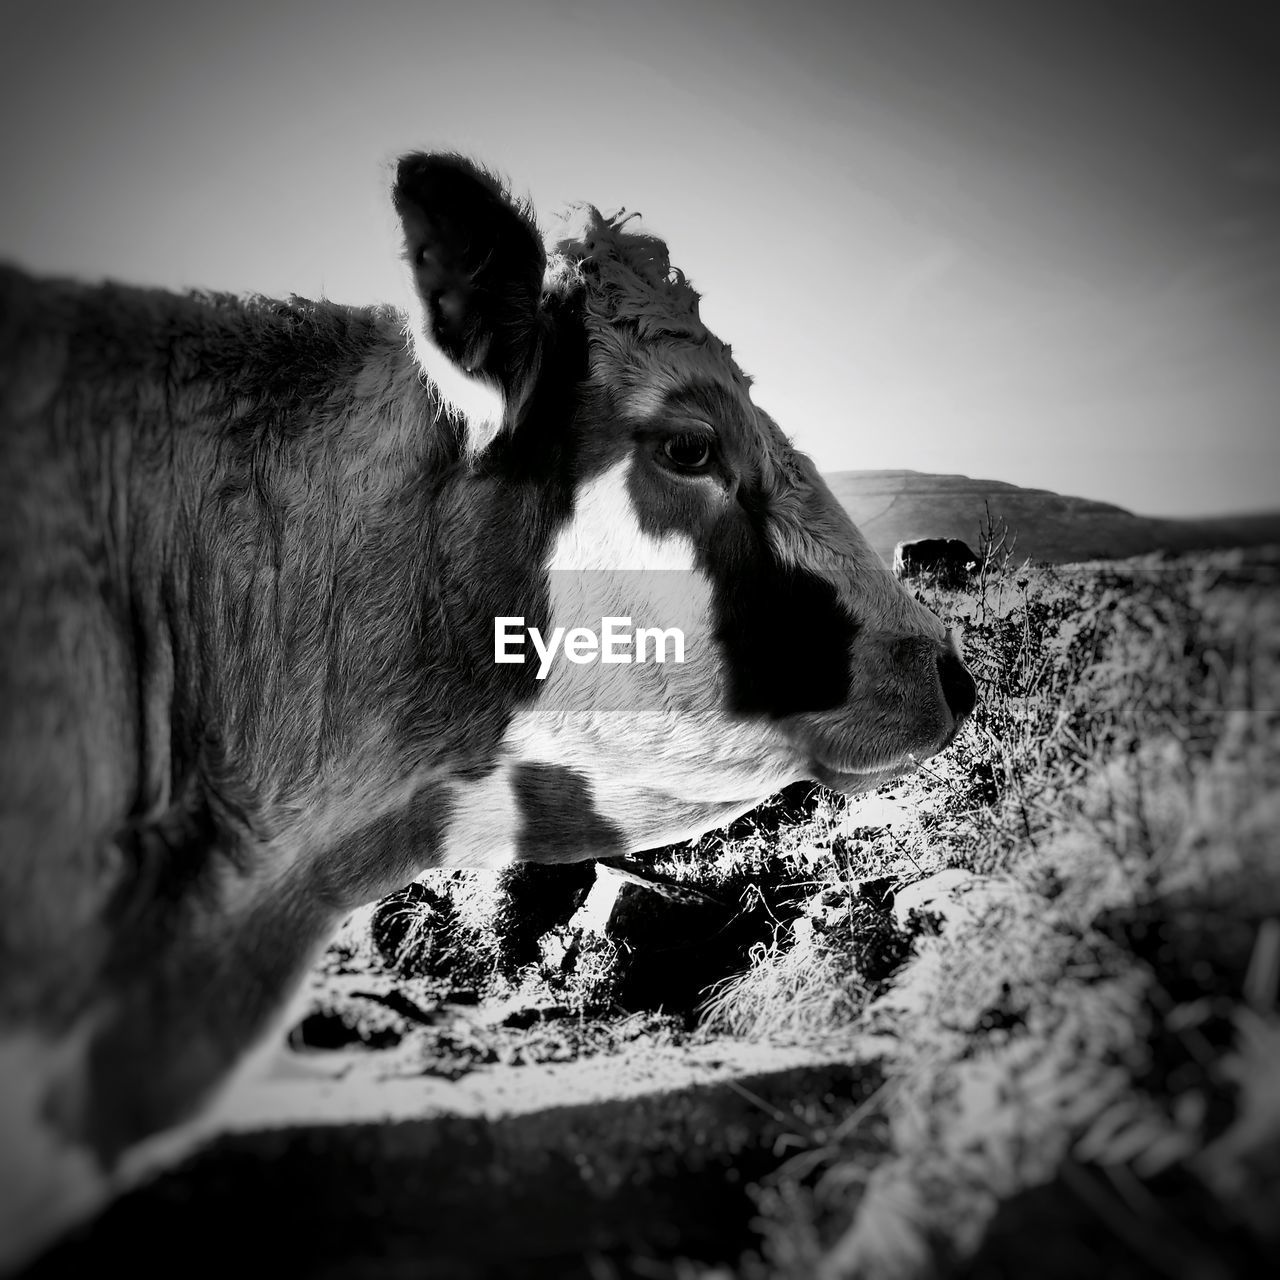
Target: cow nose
(957,685)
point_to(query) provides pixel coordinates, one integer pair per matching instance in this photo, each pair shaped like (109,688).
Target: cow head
(664,497)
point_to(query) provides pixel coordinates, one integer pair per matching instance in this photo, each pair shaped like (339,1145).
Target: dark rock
(531,900)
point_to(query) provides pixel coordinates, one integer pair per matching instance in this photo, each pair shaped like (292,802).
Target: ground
(1014,1016)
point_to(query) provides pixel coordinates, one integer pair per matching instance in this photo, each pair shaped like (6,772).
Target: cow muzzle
(909,697)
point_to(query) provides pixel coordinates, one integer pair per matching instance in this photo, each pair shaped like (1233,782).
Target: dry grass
(1090,997)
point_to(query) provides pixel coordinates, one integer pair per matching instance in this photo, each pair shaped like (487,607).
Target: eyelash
(694,441)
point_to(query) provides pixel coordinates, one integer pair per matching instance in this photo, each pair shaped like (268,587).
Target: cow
(254,553)
(949,562)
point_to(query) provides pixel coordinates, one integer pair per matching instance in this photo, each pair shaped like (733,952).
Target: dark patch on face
(558,822)
(785,635)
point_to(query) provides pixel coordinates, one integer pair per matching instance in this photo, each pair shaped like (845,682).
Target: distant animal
(253,557)
(948,561)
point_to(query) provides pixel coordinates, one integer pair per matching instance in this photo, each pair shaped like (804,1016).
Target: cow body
(948,561)
(253,552)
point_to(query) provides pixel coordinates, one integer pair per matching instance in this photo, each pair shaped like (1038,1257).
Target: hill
(891,506)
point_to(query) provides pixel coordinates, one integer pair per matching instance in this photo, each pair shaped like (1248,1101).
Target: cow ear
(476,263)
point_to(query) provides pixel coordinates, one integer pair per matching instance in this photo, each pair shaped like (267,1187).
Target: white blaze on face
(474,400)
(652,740)
(605,535)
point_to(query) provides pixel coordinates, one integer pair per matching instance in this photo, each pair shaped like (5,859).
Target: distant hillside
(891,506)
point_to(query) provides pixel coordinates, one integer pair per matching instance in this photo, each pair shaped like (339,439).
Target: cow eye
(687,452)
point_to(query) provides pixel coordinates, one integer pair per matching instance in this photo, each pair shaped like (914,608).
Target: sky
(1037,243)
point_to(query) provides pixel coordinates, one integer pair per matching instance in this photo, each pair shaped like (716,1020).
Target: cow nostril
(957,685)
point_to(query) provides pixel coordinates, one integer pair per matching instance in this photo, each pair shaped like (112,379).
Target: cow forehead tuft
(630,280)
(648,342)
